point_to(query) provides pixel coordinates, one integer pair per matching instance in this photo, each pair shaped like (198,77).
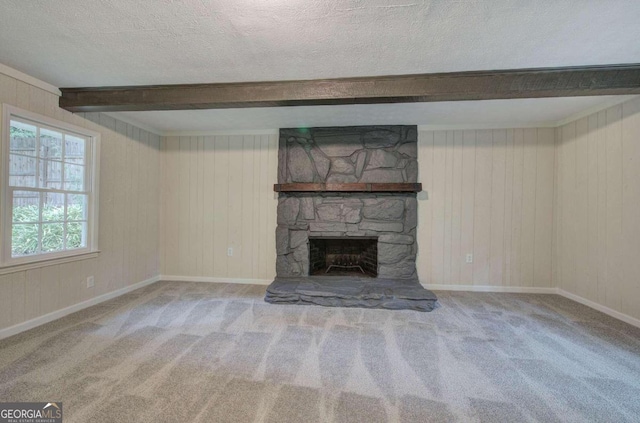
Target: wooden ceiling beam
(453,86)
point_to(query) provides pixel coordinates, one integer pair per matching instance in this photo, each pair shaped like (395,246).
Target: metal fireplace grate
(342,256)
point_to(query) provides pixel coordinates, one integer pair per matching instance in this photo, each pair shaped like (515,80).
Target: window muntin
(50,191)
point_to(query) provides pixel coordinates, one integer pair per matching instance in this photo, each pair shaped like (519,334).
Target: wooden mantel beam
(453,86)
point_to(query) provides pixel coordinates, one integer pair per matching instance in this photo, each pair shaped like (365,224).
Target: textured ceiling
(123,42)
(489,113)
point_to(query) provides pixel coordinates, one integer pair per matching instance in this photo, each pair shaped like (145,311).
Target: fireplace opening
(343,256)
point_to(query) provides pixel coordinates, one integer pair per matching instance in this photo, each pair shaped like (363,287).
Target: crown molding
(28,79)
(135,122)
(595,109)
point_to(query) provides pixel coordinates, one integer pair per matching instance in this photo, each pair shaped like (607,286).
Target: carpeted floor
(182,352)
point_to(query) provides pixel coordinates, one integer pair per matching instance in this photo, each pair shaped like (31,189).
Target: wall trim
(222,132)
(595,109)
(536,290)
(481,126)
(41,320)
(606,310)
(134,122)
(21,76)
(215,279)
(492,288)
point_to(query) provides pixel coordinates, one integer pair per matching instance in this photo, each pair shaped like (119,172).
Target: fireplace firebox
(343,256)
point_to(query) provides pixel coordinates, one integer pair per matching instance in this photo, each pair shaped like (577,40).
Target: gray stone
(329,234)
(408,149)
(360,161)
(381,226)
(352,228)
(295,133)
(342,165)
(384,209)
(330,227)
(297,238)
(381,158)
(330,212)
(282,240)
(301,253)
(411,215)
(402,163)
(321,162)
(412,171)
(392,253)
(339,178)
(286,266)
(335,212)
(300,167)
(412,134)
(288,209)
(396,239)
(405,269)
(306,207)
(339,145)
(380,139)
(404,294)
(382,175)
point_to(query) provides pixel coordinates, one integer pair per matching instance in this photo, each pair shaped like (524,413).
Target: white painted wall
(128,233)
(597,241)
(490,194)
(218,194)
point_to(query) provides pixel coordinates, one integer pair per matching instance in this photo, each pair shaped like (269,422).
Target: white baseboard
(30,324)
(606,310)
(533,290)
(489,288)
(211,279)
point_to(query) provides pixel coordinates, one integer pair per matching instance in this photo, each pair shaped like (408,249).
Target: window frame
(91,174)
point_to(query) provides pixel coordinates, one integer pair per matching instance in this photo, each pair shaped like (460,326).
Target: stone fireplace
(339,231)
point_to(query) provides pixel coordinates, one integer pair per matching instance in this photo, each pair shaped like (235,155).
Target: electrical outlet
(230,251)
(90,282)
(469,258)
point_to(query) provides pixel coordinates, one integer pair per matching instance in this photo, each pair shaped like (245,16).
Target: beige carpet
(182,352)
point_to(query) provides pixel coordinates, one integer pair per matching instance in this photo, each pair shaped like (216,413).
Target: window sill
(47,262)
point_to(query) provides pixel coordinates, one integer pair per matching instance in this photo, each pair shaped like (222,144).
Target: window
(49,188)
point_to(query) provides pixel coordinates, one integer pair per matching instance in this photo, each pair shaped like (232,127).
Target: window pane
(24,239)
(52,237)
(53,207)
(50,144)
(22,171)
(76,235)
(73,149)
(76,207)
(50,174)
(23,138)
(25,206)
(73,177)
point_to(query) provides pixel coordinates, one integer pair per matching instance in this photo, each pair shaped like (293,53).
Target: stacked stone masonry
(340,155)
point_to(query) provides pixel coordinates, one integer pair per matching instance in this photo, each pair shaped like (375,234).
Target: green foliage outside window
(25,236)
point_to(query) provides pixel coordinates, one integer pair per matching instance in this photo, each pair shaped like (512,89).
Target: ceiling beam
(453,86)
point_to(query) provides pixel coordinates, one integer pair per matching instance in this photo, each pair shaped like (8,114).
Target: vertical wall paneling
(482,207)
(220,196)
(597,233)
(128,206)
(490,194)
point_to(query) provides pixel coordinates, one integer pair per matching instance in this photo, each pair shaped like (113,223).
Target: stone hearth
(393,294)
(375,154)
